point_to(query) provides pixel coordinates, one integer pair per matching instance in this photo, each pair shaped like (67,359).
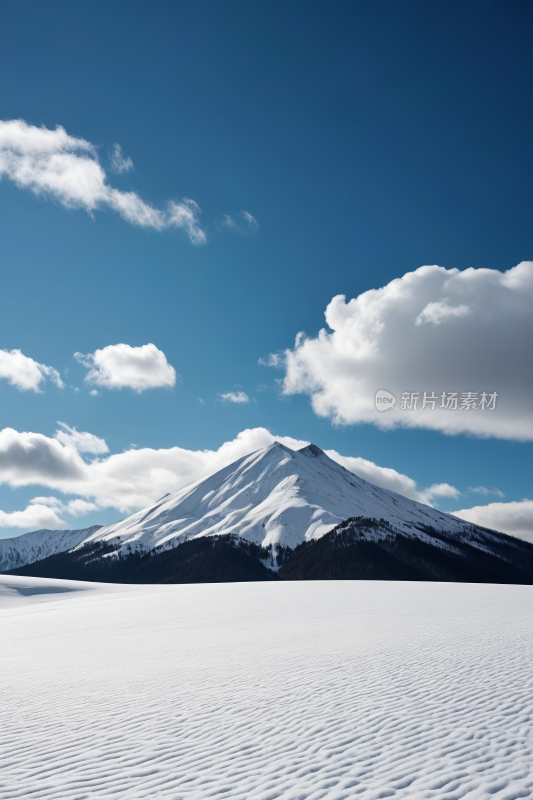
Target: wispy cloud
(66,168)
(244,223)
(252,222)
(26,374)
(485,490)
(119,162)
(271,360)
(235,397)
(185,215)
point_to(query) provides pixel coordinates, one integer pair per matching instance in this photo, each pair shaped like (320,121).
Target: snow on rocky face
(273,496)
(30,547)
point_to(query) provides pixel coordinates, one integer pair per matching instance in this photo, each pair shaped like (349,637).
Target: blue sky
(366,140)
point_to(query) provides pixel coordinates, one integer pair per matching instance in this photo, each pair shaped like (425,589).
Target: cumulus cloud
(514,518)
(44,512)
(126,481)
(76,508)
(81,441)
(26,374)
(119,162)
(416,335)
(33,516)
(442,490)
(120,366)
(136,478)
(54,164)
(386,477)
(235,397)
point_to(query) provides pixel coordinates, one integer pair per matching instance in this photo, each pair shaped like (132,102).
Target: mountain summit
(291,515)
(274,497)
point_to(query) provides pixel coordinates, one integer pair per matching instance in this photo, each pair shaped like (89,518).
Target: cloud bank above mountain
(53,164)
(514,517)
(432,331)
(137,478)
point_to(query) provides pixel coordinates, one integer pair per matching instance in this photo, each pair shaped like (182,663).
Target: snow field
(265,690)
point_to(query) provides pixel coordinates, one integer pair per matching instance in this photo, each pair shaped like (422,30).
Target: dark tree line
(348,552)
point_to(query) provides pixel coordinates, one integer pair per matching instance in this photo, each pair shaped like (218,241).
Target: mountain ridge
(36,545)
(284,514)
(274,496)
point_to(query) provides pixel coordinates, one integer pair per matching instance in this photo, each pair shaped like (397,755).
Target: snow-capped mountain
(280,514)
(34,546)
(275,496)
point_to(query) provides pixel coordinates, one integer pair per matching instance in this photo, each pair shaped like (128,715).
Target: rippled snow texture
(262,691)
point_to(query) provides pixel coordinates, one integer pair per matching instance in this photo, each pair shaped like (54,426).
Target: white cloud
(442,490)
(248,226)
(120,163)
(228,222)
(184,215)
(66,168)
(136,478)
(271,360)
(121,366)
(485,490)
(75,508)
(235,397)
(126,481)
(514,518)
(79,508)
(374,343)
(385,477)
(252,222)
(24,373)
(34,516)
(49,502)
(83,442)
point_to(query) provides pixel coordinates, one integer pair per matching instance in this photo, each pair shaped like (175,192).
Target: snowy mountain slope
(34,546)
(275,496)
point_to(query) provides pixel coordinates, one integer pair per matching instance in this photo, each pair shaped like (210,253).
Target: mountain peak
(312,450)
(281,447)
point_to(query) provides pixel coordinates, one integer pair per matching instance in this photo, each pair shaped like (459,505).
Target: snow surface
(266,690)
(29,547)
(273,496)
